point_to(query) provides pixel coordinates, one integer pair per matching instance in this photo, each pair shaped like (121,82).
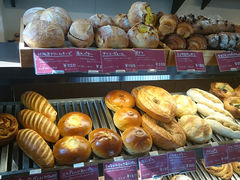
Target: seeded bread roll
(32,14)
(99,20)
(121,20)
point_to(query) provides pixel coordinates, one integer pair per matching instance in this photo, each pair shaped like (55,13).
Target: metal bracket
(205,3)
(176,5)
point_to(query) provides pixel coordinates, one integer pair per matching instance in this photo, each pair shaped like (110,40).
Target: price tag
(42,176)
(181,161)
(83,173)
(228,61)
(150,59)
(124,170)
(118,60)
(189,61)
(215,155)
(233,152)
(153,166)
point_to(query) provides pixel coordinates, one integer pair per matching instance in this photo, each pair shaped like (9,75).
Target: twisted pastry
(175,41)
(184,29)
(197,42)
(167,25)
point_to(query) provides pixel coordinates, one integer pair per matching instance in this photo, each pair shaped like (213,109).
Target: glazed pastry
(99,20)
(167,25)
(121,20)
(175,42)
(197,42)
(236,167)
(232,104)
(184,29)
(221,90)
(237,91)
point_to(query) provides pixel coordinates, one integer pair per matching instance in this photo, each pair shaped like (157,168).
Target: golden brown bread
(105,142)
(34,146)
(181,177)
(221,90)
(237,91)
(197,42)
(39,123)
(121,20)
(71,149)
(167,25)
(99,20)
(175,42)
(184,29)
(32,14)
(236,167)
(34,101)
(156,102)
(232,104)
(166,136)
(75,124)
(8,128)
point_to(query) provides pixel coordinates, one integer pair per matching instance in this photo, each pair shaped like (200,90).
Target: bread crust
(175,42)
(232,104)
(236,167)
(32,14)
(121,20)
(221,90)
(99,20)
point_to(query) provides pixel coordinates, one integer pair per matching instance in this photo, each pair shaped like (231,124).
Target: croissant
(224,41)
(197,42)
(167,25)
(175,41)
(184,29)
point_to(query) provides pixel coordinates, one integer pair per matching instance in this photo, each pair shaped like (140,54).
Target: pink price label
(189,61)
(124,170)
(42,176)
(228,61)
(83,173)
(215,155)
(150,59)
(233,152)
(153,166)
(181,161)
(118,60)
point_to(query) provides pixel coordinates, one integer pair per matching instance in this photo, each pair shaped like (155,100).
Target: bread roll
(175,42)
(32,14)
(167,25)
(237,91)
(71,149)
(166,136)
(43,34)
(197,42)
(127,117)
(185,105)
(111,37)
(232,104)
(99,20)
(8,128)
(143,36)
(39,123)
(181,177)
(136,140)
(81,33)
(224,171)
(105,142)
(140,12)
(57,15)
(75,124)
(196,129)
(236,167)
(34,146)
(184,29)
(117,99)
(121,20)
(157,103)
(221,89)
(34,101)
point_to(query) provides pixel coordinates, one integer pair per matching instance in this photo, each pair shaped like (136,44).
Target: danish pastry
(232,104)
(221,90)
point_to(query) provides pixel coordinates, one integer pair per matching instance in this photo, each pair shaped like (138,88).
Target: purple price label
(42,176)
(152,166)
(54,61)
(118,60)
(83,173)
(215,155)
(124,170)
(181,161)
(233,152)
(228,61)
(88,60)
(150,59)
(189,61)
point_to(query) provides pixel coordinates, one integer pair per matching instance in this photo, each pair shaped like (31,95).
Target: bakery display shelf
(13,161)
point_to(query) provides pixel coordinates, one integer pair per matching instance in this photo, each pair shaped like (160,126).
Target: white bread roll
(57,15)
(99,20)
(81,33)
(111,37)
(121,20)
(43,34)
(32,14)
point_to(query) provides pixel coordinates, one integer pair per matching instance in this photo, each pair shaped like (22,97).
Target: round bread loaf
(81,33)
(71,149)
(43,34)
(111,37)
(99,20)
(121,20)
(196,129)
(32,14)
(57,15)
(181,177)
(117,99)
(75,123)
(143,36)
(127,117)
(105,142)
(136,140)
